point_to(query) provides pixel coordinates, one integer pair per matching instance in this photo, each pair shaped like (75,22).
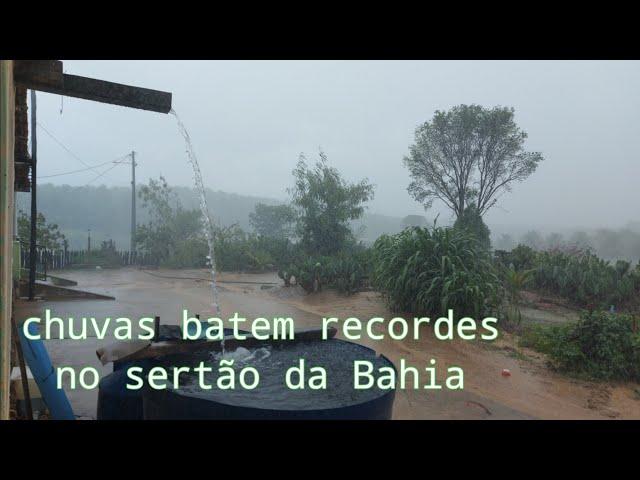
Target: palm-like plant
(515,281)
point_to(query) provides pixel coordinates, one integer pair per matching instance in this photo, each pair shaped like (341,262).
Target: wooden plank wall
(7,170)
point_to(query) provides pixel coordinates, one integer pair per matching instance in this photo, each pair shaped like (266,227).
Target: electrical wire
(101,174)
(68,150)
(75,171)
(118,161)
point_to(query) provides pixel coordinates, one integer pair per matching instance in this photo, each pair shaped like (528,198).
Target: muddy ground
(532,390)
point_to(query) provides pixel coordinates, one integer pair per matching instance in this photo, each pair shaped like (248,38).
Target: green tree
(173,235)
(326,203)
(467,155)
(48,235)
(274,221)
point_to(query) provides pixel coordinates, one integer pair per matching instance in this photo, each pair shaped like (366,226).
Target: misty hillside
(107,212)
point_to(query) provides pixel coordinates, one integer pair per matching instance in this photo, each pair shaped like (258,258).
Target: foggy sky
(249,120)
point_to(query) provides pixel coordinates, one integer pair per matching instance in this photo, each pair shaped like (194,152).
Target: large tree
(326,203)
(467,156)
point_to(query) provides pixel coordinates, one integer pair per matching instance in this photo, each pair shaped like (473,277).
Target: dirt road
(532,391)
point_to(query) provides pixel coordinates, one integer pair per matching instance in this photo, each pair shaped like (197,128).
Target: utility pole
(34,205)
(133,202)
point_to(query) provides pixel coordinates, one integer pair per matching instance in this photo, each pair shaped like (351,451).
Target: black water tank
(168,404)
(115,401)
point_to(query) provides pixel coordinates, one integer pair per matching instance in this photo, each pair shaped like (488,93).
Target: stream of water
(204,209)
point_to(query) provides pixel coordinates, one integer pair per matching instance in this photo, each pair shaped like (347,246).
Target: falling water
(206,219)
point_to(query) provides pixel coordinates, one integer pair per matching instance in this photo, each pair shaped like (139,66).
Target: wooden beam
(47,76)
(114,93)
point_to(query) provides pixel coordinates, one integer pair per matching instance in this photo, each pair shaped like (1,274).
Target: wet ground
(532,391)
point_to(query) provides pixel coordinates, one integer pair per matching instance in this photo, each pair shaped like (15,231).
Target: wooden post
(34,203)
(133,201)
(7,209)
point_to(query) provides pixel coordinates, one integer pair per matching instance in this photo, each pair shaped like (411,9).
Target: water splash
(204,210)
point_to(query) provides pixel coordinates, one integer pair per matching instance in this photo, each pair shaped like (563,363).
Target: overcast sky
(249,120)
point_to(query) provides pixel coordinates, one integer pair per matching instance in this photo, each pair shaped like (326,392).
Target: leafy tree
(466,155)
(471,221)
(274,221)
(173,234)
(326,203)
(48,235)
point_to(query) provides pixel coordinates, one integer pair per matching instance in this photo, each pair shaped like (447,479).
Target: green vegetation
(325,204)
(609,244)
(237,250)
(48,235)
(274,221)
(600,345)
(327,254)
(347,272)
(586,279)
(173,234)
(515,281)
(174,237)
(520,258)
(579,276)
(427,271)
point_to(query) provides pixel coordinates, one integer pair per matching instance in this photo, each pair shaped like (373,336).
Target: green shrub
(585,279)
(347,271)
(427,271)
(188,253)
(514,282)
(520,258)
(237,250)
(471,221)
(347,274)
(310,273)
(600,345)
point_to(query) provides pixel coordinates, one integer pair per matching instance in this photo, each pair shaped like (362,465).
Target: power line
(116,162)
(100,175)
(119,161)
(75,171)
(68,150)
